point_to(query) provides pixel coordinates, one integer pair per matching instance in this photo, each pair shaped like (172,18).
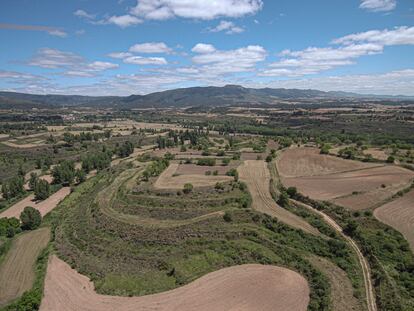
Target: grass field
(18,265)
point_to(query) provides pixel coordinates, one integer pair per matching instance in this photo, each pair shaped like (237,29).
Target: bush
(30,218)
(227,217)
(206,162)
(188,188)
(292,192)
(283,200)
(390,159)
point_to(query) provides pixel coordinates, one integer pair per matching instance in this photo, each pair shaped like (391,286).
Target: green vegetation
(64,173)
(30,218)
(41,190)
(13,188)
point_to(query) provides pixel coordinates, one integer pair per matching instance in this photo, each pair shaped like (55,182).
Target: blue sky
(123,47)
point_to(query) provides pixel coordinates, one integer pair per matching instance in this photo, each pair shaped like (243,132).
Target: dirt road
(240,288)
(257,177)
(16,271)
(43,206)
(369,289)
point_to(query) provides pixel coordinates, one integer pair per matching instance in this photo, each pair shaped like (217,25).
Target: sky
(124,47)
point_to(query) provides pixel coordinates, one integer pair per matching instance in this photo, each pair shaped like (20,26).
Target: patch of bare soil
(399,214)
(241,288)
(44,207)
(298,162)
(257,177)
(356,190)
(16,271)
(167,179)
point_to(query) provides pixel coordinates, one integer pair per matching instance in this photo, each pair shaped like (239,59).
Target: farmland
(159,209)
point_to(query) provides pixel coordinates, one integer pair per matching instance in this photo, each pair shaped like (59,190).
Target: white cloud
(139,60)
(228,61)
(119,55)
(83,14)
(397,36)
(314,59)
(400,82)
(150,47)
(58,33)
(196,9)
(203,48)
(228,27)
(72,64)
(123,21)
(378,5)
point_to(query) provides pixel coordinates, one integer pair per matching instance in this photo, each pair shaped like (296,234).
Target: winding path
(369,290)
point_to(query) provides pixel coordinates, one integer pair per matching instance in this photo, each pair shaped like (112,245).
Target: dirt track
(369,289)
(399,214)
(239,288)
(43,206)
(16,271)
(257,177)
(167,181)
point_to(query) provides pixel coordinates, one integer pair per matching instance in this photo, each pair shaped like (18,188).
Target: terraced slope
(246,287)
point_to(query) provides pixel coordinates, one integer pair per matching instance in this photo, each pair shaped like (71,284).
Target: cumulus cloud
(195,9)
(71,63)
(228,27)
(150,47)
(378,5)
(119,55)
(228,61)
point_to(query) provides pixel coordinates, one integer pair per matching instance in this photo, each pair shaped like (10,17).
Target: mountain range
(185,97)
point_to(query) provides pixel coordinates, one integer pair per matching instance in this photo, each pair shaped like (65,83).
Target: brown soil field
(298,162)
(16,271)
(351,184)
(257,177)
(188,169)
(241,288)
(252,155)
(43,206)
(342,293)
(167,181)
(399,214)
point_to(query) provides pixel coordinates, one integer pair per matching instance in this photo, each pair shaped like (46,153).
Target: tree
(292,191)
(126,149)
(269,158)
(13,187)
(33,180)
(30,218)
(283,199)
(64,173)
(42,190)
(188,188)
(80,176)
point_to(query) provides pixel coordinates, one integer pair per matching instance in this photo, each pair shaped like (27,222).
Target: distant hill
(185,97)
